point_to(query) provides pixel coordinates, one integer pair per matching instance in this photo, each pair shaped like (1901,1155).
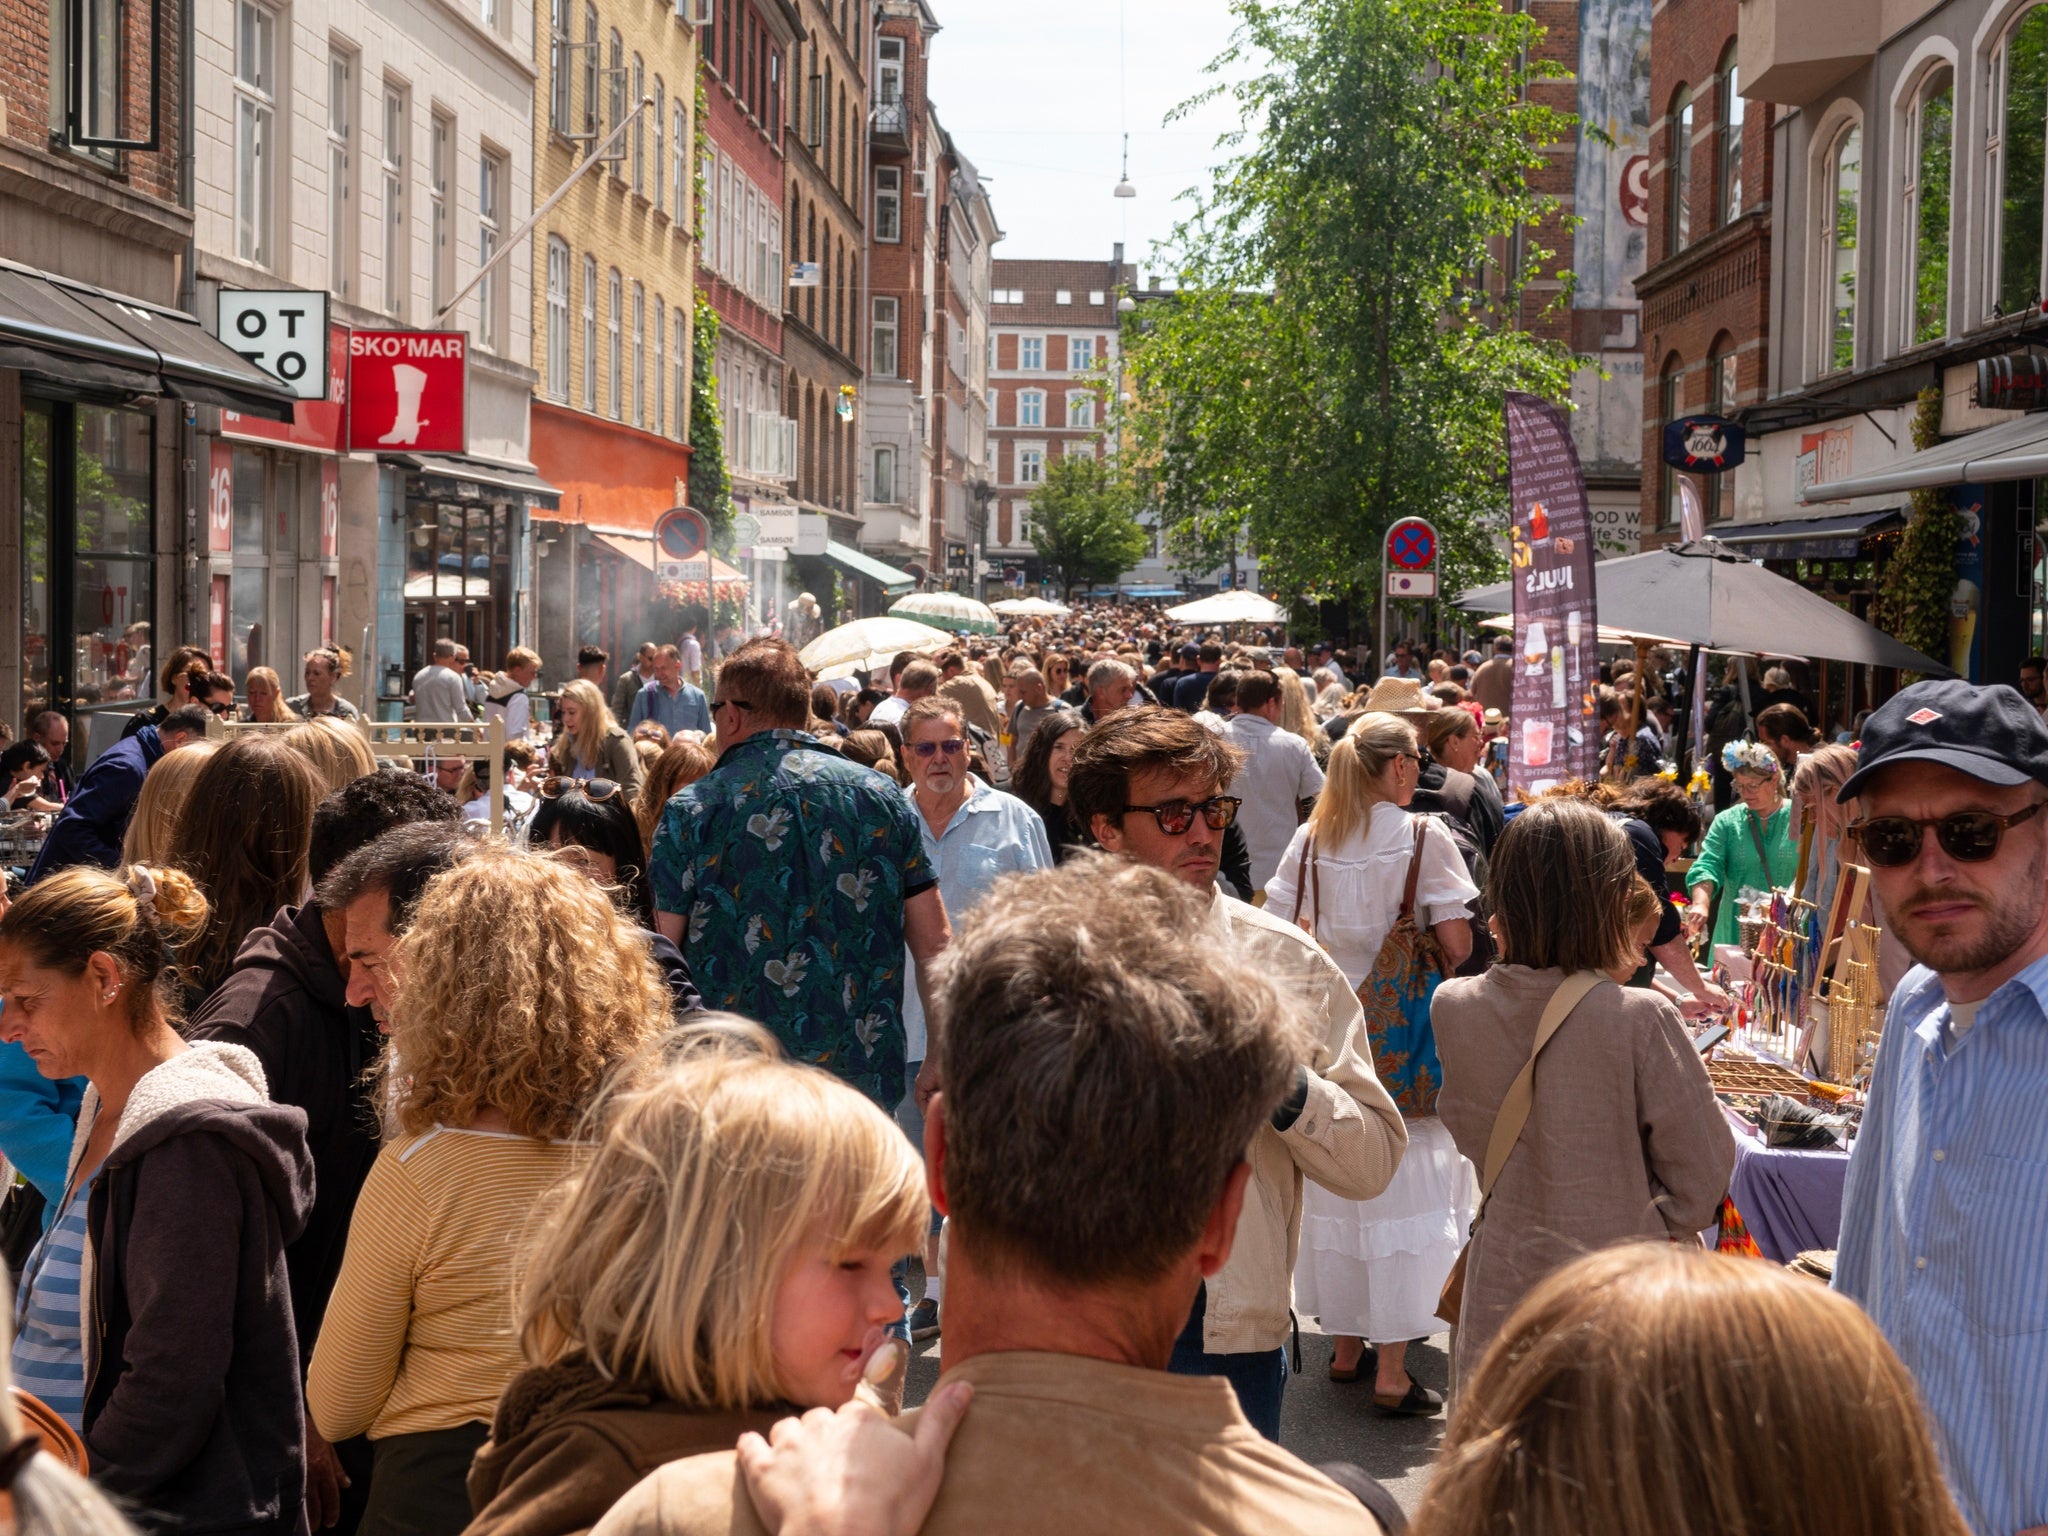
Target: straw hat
(1399,696)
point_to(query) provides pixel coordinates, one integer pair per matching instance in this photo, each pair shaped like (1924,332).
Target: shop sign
(283,333)
(330,507)
(220,501)
(775,527)
(319,424)
(1556,735)
(408,391)
(2018,381)
(1704,445)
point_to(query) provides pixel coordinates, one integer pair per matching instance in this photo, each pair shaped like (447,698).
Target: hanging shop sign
(1704,445)
(1555,733)
(2018,381)
(284,333)
(408,391)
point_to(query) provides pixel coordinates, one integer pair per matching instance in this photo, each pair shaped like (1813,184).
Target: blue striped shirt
(49,1348)
(1945,1234)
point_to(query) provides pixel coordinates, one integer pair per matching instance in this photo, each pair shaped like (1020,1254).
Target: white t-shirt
(1279,772)
(692,654)
(889,711)
(1354,890)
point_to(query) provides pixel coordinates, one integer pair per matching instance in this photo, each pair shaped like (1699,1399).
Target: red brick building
(1706,292)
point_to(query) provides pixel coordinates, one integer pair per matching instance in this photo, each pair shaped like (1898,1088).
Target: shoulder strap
(1414,867)
(1309,869)
(1514,1108)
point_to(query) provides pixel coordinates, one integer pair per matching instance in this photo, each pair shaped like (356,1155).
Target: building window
(1728,131)
(1841,216)
(1030,466)
(639,356)
(255,130)
(888,77)
(590,333)
(882,345)
(885,473)
(397,241)
(659,367)
(615,98)
(888,203)
(1081,411)
(639,128)
(2016,149)
(1030,407)
(1063,296)
(558,318)
(490,213)
(679,167)
(1031,353)
(493,12)
(614,362)
(593,60)
(1080,353)
(727,243)
(1929,178)
(679,359)
(440,171)
(1678,175)
(771,290)
(658,167)
(559,78)
(1096,297)
(1669,386)
(341,198)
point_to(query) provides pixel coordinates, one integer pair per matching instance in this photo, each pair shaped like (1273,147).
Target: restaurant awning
(2012,450)
(462,474)
(85,338)
(1827,536)
(847,558)
(641,553)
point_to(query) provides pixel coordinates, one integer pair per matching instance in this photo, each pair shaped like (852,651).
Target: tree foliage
(710,485)
(1336,351)
(1083,522)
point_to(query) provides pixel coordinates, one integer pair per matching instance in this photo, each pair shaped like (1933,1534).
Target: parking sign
(283,333)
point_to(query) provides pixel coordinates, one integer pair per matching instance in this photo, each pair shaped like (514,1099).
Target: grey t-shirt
(438,694)
(1028,720)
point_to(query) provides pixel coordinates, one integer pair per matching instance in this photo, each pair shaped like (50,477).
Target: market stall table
(1790,1198)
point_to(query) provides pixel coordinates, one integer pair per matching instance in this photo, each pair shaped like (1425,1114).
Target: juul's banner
(1554,731)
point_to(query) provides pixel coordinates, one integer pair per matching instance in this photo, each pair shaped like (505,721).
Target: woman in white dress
(1372,1270)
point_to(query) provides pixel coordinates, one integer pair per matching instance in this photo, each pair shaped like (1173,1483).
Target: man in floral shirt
(792,879)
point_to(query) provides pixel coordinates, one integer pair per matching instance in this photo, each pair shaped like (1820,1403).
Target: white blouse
(1353,891)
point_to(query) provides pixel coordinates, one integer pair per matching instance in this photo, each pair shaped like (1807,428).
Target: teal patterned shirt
(789,865)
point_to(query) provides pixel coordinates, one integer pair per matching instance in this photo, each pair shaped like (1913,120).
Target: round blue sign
(1411,544)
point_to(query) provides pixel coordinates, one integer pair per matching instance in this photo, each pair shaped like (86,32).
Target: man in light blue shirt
(668,700)
(973,835)
(1945,1220)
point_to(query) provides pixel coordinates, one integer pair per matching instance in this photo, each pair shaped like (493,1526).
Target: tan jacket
(980,704)
(1349,1138)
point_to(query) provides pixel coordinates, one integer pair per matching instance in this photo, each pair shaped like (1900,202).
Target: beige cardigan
(1624,1140)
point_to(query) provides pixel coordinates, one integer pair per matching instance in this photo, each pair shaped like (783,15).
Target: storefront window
(35,561)
(458,578)
(111,589)
(248,600)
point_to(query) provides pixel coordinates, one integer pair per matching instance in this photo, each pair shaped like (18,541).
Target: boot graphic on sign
(409,383)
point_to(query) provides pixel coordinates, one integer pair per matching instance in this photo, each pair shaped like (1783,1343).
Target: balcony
(1791,51)
(889,126)
(769,451)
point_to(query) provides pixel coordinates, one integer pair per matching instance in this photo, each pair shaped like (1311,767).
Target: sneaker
(924,1321)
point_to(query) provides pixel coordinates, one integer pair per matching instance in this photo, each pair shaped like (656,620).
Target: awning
(1830,536)
(525,484)
(2012,450)
(641,553)
(86,338)
(847,558)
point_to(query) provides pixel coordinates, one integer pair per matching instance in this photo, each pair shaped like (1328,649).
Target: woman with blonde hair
(1658,1388)
(336,749)
(680,763)
(590,743)
(721,1262)
(265,693)
(1371,1270)
(326,665)
(504,1045)
(1298,717)
(165,789)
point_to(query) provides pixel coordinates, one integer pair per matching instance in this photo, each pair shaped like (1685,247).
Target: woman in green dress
(1749,847)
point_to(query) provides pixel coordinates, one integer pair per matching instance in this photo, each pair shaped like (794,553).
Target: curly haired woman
(504,1046)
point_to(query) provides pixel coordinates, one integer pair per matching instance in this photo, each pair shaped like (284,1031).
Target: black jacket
(675,975)
(193,1412)
(286,1000)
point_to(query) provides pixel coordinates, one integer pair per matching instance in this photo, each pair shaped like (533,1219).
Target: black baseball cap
(1321,645)
(1990,733)
(1190,652)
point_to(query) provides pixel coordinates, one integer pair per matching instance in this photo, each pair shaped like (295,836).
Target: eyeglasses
(739,704)
(952,746)
(599,790)
(1969,837)
(1176,816)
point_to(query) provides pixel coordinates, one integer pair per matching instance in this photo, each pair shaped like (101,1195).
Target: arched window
(2019,121)
(1678,172)
(1929,178)
(1841,214)
(1728,143)
(1670,402)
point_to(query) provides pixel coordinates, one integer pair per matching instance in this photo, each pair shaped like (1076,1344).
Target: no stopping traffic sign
(1411,545)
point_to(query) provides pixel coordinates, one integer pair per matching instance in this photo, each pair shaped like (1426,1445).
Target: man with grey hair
(438,690)
(1111,685)
(917,680)
(1087,1144)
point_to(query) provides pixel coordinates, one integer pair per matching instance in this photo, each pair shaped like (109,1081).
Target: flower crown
(1749,757)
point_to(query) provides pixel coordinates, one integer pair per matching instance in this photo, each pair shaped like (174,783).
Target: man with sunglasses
(1149,784)
(1945,1220)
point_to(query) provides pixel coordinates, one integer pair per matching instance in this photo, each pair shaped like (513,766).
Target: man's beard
(2007,925)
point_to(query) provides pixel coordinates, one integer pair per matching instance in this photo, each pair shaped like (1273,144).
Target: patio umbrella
(869,645)
(1029,608)
(946,610)
(1229,608)
(1707,594)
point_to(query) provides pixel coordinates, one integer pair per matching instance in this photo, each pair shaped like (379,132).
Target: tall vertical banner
(1553,731)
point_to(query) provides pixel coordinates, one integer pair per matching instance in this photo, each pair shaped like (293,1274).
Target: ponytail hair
(139,917)
(1351,788)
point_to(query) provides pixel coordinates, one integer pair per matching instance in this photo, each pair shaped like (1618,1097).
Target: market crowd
(1096,998)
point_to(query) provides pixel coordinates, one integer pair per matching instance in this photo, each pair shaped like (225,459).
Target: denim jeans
(1259,1378)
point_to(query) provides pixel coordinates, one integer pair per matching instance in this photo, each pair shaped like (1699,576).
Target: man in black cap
(1323,654)
(1945,1220)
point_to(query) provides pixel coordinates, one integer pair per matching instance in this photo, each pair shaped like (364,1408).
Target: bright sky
(1030,93)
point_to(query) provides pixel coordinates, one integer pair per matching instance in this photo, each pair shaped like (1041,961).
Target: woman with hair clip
(155,1314)
(722,1261)
(1371,1270)
(326,665)
(589,743)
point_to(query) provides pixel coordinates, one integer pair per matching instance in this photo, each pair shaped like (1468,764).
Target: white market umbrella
(869,645)
(946,610)
(1229,608)
(1029,608)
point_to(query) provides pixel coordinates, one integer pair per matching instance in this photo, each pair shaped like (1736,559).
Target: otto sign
(283,333)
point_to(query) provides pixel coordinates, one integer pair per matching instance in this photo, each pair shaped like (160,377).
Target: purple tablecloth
(1791,1200)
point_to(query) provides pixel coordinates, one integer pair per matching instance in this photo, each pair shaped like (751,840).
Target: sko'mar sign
(283,333)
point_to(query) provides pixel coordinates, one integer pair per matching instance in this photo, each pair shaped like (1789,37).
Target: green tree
(1334,356)
(1083,522)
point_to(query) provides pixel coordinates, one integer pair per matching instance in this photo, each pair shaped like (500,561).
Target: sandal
(1368,1366)
(1419,1402)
